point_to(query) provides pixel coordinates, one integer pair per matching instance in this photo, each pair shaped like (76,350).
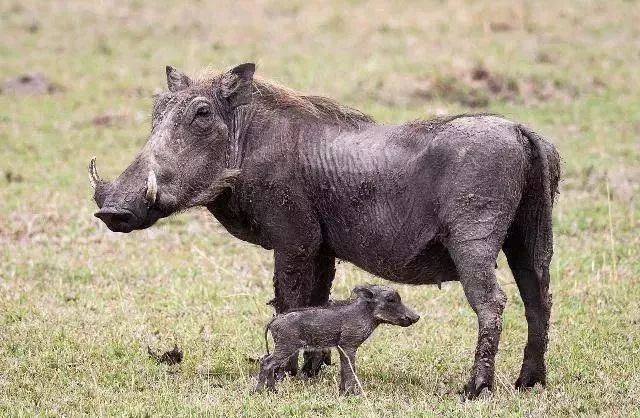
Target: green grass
(78,304)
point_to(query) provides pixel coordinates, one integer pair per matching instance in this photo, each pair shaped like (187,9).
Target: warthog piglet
(342,324)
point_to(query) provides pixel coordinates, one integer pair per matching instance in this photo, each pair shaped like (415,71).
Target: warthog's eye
(203,110)
(201,113)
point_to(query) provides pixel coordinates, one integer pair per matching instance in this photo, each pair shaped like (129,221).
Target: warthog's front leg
(313,360)
(293,280)
(324,272)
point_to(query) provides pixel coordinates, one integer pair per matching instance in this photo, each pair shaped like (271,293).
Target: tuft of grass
(79,304)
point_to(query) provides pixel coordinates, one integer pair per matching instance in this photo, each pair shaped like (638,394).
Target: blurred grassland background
(79,304)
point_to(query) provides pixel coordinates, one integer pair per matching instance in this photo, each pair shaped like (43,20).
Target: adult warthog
(420,203)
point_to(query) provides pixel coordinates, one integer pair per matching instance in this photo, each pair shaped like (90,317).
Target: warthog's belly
(430,264)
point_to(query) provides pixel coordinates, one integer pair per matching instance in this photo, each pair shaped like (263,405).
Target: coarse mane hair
(275,97)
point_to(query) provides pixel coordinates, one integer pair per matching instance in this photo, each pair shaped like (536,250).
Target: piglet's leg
(264,373)
(348,380)
(276,361)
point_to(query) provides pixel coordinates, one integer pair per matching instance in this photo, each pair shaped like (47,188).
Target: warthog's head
(185,161)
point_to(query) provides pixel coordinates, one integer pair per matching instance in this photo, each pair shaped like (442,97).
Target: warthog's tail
(535,212)
(529,248)
(266,334)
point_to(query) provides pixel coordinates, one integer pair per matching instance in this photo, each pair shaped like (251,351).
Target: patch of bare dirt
(12,177)
(110,120)
(163,350)
(625,183)
(450,89)
(29,84)
(501,26)
(482,82)
(475,88)
(172,356)
(26,226)
(493,85)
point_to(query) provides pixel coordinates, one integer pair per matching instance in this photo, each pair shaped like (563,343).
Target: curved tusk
(94,178)
(152,188)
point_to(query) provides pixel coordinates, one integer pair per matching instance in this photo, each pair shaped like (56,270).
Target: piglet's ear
(177,80)
(362,291)
(235,85)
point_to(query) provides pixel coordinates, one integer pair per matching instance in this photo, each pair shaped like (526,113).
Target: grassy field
(79,304)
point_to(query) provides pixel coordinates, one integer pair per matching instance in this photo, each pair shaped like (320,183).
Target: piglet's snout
(410,318)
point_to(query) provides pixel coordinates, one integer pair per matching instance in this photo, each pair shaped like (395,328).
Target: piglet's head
(387,305)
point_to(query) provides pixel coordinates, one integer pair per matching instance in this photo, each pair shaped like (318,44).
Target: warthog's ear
(236,84)
(177,80)
(362,291)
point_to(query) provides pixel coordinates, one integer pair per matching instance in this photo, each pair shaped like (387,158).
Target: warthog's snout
(124,205)
(117,220)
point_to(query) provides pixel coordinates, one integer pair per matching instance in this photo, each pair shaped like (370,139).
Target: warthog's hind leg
(475,262)
(534,289)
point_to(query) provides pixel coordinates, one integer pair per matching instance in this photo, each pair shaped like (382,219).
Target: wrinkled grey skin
(419,203)
(343,324)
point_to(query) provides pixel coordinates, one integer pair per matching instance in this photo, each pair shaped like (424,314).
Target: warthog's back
(386,194)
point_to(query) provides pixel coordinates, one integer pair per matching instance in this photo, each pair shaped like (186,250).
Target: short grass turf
(79,304)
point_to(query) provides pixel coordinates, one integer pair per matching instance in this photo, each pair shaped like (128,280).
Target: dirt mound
(479,87)
(30,84)
(476,87)
(110,120)
(625,183)
(171,356)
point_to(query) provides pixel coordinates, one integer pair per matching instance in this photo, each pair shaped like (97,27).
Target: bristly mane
(280,97)
(277,97)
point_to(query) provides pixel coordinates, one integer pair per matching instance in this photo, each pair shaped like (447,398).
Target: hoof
(474,388)
(261,388)
(529,377)
(350,391)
